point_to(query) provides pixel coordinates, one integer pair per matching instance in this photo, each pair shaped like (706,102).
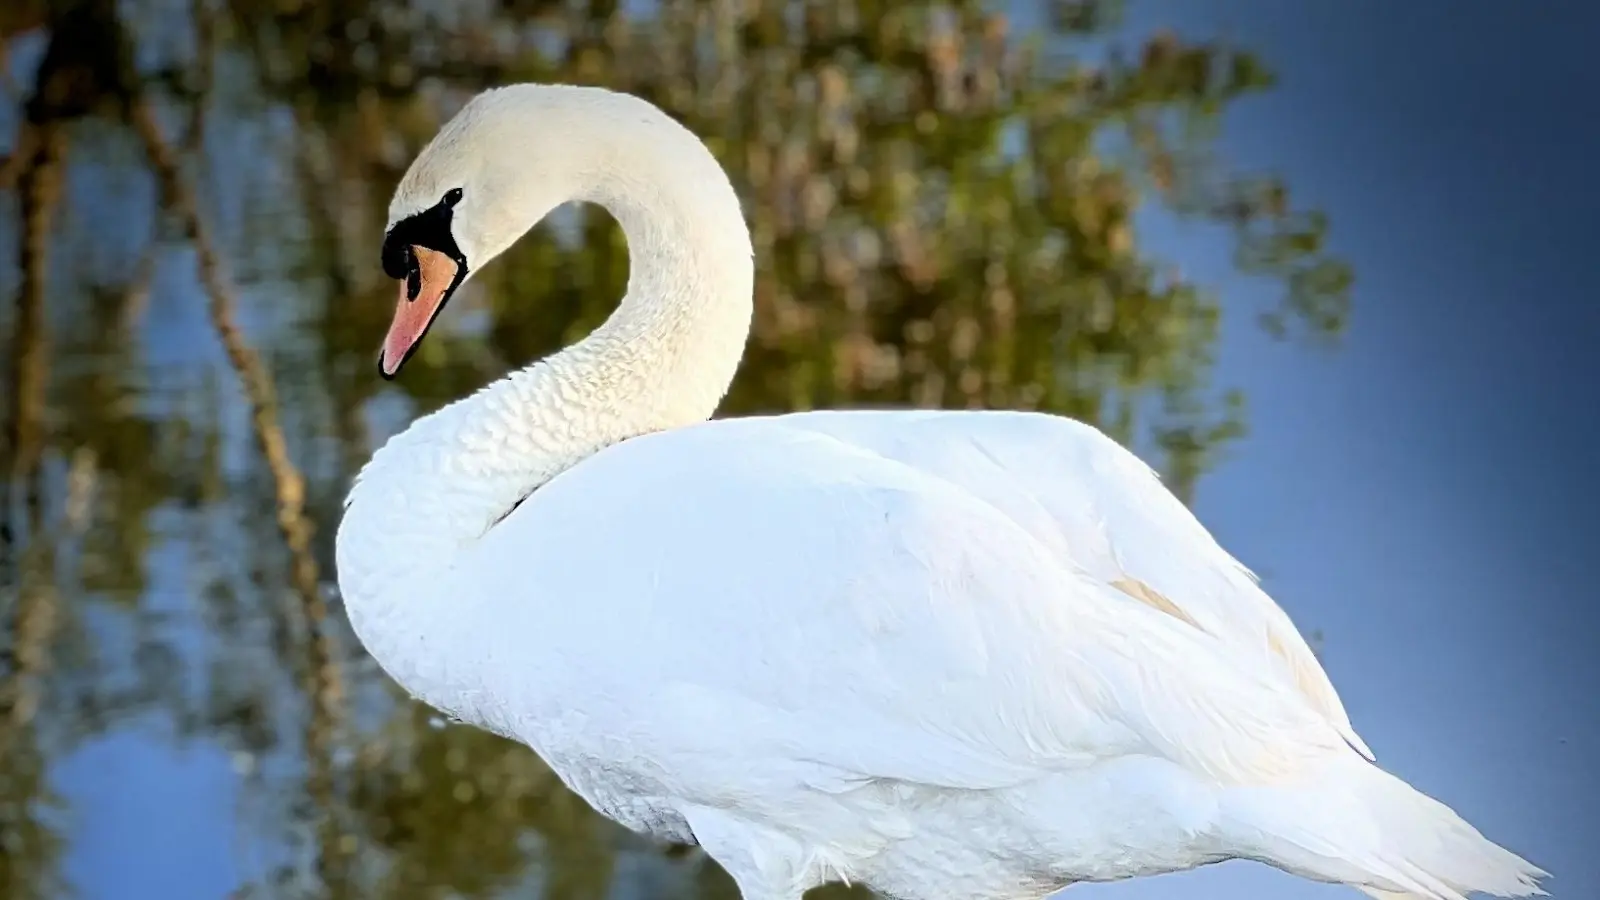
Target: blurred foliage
(944,208)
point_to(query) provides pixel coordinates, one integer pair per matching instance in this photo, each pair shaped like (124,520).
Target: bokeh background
(1326,264)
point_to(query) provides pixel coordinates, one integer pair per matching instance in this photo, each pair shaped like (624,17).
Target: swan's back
(1106,512)
(796,578)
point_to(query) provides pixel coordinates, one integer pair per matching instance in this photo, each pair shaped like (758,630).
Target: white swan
(945,654)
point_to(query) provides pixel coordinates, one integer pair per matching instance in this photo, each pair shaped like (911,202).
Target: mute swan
(944,654)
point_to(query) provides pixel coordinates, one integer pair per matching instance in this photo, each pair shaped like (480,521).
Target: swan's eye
(451,197)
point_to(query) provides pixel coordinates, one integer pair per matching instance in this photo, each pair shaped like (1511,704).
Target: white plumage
(945,654)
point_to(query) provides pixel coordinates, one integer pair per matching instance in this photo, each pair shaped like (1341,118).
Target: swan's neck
(664,359)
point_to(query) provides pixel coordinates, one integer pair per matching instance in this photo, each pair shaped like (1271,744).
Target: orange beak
(422,295)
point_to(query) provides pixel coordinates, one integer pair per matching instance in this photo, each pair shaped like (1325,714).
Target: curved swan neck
(663,359)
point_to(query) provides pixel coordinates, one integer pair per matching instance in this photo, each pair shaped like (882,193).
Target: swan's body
(949,655)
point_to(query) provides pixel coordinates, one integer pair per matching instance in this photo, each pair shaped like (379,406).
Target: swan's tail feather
(1356,824)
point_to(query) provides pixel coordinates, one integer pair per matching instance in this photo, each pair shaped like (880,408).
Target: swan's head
(492,172)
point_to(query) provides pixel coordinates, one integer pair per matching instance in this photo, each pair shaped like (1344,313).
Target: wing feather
(811,610)
(1107,512)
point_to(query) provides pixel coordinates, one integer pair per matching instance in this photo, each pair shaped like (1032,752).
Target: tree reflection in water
(943,210)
